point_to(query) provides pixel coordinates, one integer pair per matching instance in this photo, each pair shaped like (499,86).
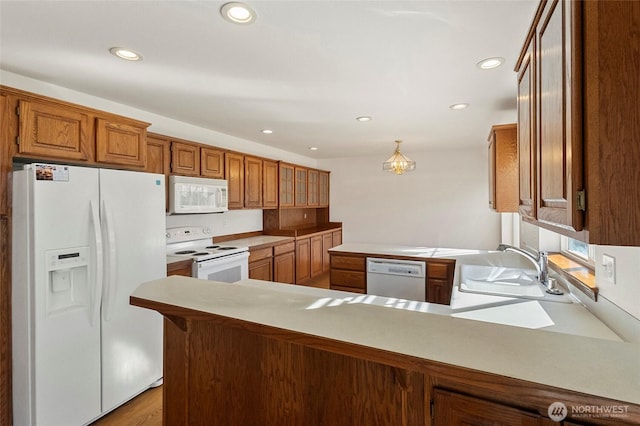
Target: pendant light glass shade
(398,163)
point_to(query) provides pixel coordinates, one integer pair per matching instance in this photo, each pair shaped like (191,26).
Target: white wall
(443,203)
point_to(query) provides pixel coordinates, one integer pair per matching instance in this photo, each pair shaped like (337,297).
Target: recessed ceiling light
(313,148)
(363,118)
(238,13)
(458,106)
(490,63)
(267,131)
(127,54)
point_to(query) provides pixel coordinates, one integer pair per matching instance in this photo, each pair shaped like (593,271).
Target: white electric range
(211,261)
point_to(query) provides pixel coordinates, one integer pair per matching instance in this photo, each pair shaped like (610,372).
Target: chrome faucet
(540,261)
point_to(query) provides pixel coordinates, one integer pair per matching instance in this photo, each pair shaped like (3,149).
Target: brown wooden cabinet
(440,280)
(550,102)
(185,159)
(261,263)
(252,182)
(317,256)
(337,238)
(159,159)
(312,188)
(286,185)
(5,160)
(301,177)
(348,272)
(184,268)
(5,322)
(234,173)
(48,129)
(269,184)
(211,163)
(455,409)
(323,189)
(503,168)
(527,135)
(327,243)
(121,143)
(284,263)
(303,260)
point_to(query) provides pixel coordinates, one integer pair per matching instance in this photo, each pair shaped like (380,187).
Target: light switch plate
(609,268)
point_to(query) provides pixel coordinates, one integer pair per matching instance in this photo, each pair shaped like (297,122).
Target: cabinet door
(284,268)
(453,409)
(559,117)
(5,159)
(503,168)
(121,143)
(286,185)
(158,160)
(252,182)
(234,173)
(527,134)
(337,238)
(269,184)
(211,163)
(303,260)
(323,189)
(317,257)
(327,243)
(185,159)
(301,186)
(261,269)
(312,188)
(51,130)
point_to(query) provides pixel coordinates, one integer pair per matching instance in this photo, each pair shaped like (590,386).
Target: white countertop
(595,366)
(418,252)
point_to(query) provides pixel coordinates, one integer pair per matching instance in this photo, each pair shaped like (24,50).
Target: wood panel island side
(258,353)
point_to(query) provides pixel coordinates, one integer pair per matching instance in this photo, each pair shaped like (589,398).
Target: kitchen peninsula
(265,353)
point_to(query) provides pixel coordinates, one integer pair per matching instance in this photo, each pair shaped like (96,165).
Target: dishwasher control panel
(410,268)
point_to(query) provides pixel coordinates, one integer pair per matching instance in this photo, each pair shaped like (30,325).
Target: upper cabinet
(551,178)
(252,182)
(185,159)
(286,185)
(301,176)
(323,189)
(50,130)
(234,174)
(559,119)
(212,163)
(269,184)
(58,130)
(122,143)
(577,120)
(312,188)
(503,168)
(159,159)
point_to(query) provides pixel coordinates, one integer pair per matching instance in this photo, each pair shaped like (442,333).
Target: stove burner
(186,252)
(227,248)
(202,253)
(212,247)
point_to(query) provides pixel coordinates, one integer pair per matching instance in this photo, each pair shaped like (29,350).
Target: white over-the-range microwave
(197,195)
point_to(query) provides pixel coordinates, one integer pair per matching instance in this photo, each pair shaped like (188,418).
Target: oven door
(227,269)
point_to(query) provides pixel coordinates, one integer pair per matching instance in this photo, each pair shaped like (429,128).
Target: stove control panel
(187,233)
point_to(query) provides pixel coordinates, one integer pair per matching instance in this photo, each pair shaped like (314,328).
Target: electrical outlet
(609,268)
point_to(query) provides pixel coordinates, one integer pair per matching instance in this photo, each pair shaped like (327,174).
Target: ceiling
(305,69)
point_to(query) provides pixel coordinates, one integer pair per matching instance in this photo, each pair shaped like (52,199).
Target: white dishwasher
(402,279)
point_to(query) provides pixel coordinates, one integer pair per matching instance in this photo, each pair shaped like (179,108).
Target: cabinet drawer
(354,279)
(351,289)
(284,248)
(354,263)
(258,254)
(438,270)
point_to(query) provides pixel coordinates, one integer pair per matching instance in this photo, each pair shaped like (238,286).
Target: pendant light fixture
(398,163)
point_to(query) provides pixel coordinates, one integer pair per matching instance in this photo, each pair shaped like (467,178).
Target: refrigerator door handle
(109,287)
(94,313)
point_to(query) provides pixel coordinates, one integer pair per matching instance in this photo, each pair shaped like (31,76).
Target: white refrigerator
(83,240)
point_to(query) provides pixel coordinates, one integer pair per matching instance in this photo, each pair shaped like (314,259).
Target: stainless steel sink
(504,281)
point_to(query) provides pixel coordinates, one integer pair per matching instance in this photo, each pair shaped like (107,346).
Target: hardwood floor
(143,410)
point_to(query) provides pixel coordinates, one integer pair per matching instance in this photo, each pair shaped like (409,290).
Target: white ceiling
(305,69)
